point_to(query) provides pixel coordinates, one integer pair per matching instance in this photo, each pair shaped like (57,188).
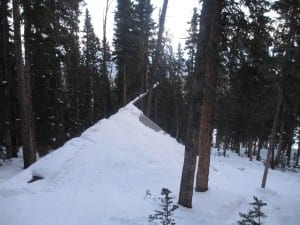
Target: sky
(179,12)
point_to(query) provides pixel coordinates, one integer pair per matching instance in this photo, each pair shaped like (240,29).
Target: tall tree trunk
(124,85)
(279,148)
(212,12)
(189,164)
(250,149)
(259,147)
(290,143)
(298,151)
(28,139)
(272,138)
(254,147)
(105,53)
(6,118)
(157,56)
(190,155)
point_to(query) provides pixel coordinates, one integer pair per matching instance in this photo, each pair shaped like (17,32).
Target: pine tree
(255,215)
(144,26)
(125,46)
(170,106)
(91,62)
(8,114)
(246,94)
(287,54)
(165,216)
(132,36)
(191,42)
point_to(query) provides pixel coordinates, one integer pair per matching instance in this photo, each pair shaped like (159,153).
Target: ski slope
(113,174)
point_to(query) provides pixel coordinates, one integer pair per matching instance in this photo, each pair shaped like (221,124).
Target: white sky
(178,14)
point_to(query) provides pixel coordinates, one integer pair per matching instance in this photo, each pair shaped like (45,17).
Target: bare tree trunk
(124,85)
(279,148)
(259,147)
(254,147)
(298,151)
(107,103)
(189,164)
(250,149)
(272,138)
(213,16)
(289,144)
(157,56)
(28,139)
(6,119)
(190,155)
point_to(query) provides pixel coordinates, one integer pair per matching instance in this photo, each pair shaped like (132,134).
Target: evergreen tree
(287,54)
(255,215)
(169,102)
(245,101)
(165,216)
(144,28)
(132,37)
(91,62)
(125,47)
(7,83)
(191,42)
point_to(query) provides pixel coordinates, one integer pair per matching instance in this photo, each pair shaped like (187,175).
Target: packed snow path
(104,177)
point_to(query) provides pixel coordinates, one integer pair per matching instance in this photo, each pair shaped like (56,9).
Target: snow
(113,174)
(61,50)
(44,36)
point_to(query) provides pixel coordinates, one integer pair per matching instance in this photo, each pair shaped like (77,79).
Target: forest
(238,74)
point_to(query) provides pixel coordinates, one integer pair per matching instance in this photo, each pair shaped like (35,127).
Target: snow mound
(100,177)
(113,173)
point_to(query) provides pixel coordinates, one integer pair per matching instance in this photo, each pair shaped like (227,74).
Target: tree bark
(124,85)
(190,156)
(189,164)
(259,147)
(272,138)
(298,151)
(212,20)
(6,118)
(250,149)
(28,138)
(279,148)
(105,53)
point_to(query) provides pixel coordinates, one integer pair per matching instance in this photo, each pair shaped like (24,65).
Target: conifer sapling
(255,215)
(165,215)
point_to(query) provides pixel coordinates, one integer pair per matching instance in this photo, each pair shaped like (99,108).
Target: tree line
(57,79)
(53,83)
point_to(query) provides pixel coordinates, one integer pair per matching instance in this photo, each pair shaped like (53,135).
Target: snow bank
(105,176)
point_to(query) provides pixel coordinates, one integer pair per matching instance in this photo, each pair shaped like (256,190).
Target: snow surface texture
(113,175)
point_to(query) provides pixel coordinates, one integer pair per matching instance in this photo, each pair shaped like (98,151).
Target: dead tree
(157,56)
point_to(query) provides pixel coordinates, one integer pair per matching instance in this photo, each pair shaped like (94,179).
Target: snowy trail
(102,178)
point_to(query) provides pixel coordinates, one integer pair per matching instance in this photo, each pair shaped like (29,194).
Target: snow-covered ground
(113,175)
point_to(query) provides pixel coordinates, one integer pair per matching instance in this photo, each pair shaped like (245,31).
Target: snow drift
(113,174)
